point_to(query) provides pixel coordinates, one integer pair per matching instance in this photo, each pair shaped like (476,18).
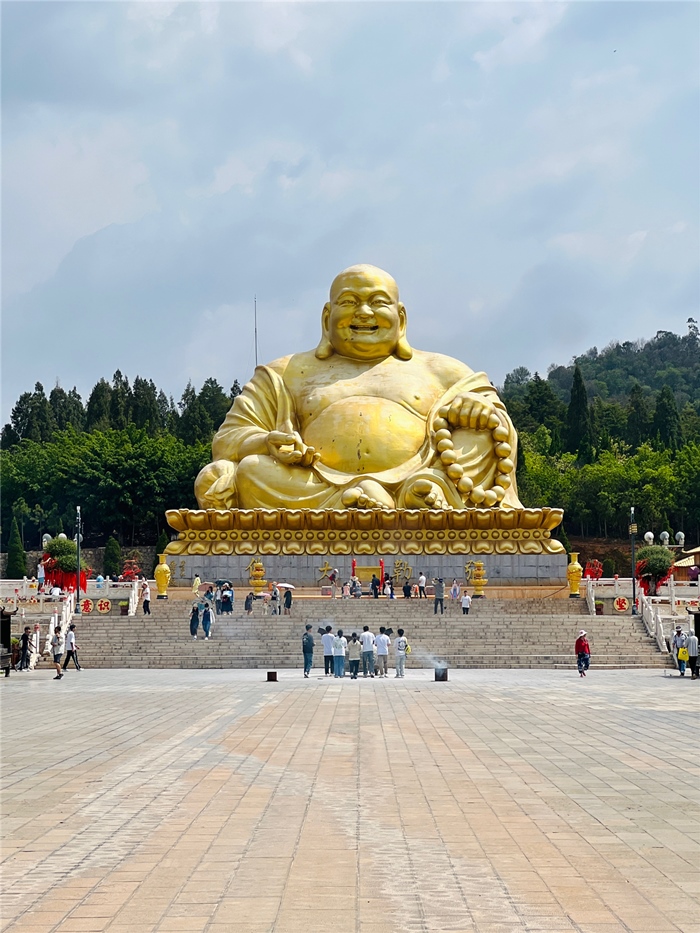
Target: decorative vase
(257,577)
(162,577)
(479,580)
(574,572)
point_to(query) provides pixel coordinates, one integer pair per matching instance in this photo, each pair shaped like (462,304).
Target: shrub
(113,557)
(608,567)
(654,565)
(16,558)
(65,553)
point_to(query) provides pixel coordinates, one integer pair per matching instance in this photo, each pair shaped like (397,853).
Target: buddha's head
(364,319)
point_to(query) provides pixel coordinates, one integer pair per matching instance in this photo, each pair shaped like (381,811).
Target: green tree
(542,405)
(579,436)
(653,566)
(194,424)
(666,424)
(214,401)
(67,408)
(144,404)
(120,402)
(98,407)
(20,511)
(638,418)
(32,418)
(16,558)
(112,558)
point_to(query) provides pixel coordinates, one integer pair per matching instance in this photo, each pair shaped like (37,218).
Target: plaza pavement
(139,801)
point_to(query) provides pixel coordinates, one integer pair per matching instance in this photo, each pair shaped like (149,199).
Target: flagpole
(255,312)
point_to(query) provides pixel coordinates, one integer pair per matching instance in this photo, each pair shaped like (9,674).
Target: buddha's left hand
(472,411)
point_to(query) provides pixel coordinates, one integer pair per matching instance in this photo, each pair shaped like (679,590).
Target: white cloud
(600,248)
(523,28)
(62,183)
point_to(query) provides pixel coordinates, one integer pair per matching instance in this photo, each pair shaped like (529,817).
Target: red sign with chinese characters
(104,605)
(621,604)
(86,606)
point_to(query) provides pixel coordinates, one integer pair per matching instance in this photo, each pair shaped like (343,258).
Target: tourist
(357,589)
(439,595)
(288,602)
(275,599)
(340,645)
(346,590)
(354,652)
(693,655)
(454,590)
(421,586)
(194,621)
(41,576)
(333,577)
(367,639)
(248,604)
(374,586)
(206,619)
(24,649)
(196,583)
(218,594)
(466,603)
(327,640)
(679,646)
(583,653)
(146,597)
(71,649)
(227,598)
(382,642)
(57,643)
(307,648)
(400,649)
(210,597)
(407,590)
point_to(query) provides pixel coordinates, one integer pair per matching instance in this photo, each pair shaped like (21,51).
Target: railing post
(672,594)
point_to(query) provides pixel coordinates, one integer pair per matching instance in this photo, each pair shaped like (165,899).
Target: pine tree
(214,401)
(67,408)
(97,416)
(120,402)
(666,424)
(194,423)
(638,420)
(145,408)
(32,418)
(16,558)
(579,435)
(112,558)
(542,404)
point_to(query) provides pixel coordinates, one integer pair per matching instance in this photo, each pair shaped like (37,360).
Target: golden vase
(162,577)
(574,572)
(479,580)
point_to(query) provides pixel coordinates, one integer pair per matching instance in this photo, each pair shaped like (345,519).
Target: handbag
(682,654)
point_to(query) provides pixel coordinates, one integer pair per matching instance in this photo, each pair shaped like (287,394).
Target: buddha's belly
(365,434)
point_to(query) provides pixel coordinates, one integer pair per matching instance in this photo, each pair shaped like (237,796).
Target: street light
(78,539)
(633,532)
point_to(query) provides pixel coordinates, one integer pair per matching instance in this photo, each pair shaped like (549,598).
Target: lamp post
(633,532)
(78,539)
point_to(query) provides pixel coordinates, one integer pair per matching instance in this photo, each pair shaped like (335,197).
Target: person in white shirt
(466,603)
(57,645)
(339,646)
(693,654)
(367,639)
(146,598)
(382,641)
(71,649)
(327,640)
(679,640)
(421,586)
(400,646)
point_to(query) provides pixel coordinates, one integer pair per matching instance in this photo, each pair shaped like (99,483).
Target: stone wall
(303,570)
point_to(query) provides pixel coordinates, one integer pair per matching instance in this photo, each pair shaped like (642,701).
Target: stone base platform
(309,570)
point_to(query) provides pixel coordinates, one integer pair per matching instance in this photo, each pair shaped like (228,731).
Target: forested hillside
(615,428)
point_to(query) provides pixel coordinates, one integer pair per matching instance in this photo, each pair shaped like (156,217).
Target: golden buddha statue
(363,421)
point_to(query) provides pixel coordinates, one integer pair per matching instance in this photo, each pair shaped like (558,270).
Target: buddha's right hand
(289,448)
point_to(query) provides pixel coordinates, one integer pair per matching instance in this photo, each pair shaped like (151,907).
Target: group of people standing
(367,648)
(684,646)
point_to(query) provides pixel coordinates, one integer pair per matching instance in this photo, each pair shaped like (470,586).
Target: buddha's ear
(403,348)
(325,348)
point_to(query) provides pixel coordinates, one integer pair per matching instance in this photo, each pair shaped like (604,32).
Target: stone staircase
(532,633)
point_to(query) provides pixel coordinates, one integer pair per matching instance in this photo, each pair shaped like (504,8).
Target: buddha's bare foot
(367,495)
(425,495)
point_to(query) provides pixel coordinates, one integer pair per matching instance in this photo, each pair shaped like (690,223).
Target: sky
(528,172)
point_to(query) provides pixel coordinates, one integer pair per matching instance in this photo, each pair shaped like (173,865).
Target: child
(354,654)
(249,604)
(400,646)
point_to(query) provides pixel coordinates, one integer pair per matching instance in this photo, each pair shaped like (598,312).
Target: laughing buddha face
(364,319)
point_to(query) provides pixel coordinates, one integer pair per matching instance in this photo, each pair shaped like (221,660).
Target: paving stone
(211,801)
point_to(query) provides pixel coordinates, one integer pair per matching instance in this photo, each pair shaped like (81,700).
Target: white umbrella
(286,586)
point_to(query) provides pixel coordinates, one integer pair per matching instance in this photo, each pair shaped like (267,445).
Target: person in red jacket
(583,653)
